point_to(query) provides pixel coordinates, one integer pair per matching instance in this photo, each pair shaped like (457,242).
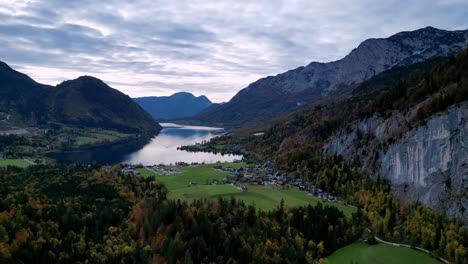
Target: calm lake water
(160,149)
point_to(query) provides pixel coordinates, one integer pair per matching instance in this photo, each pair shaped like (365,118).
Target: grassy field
(201,174)
(80,141)
(145,172)
(14,162)
(379,254)
(203,191)
(263,197)
(94,137)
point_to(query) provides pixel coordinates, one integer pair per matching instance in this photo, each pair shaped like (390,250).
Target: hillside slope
(22,96)
(412,132)
(274,95)
(83,102)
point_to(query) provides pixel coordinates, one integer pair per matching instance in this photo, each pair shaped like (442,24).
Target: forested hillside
(85,102)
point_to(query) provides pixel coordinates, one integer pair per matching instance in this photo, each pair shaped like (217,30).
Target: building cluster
(260,174)
(186,164)
(129,169)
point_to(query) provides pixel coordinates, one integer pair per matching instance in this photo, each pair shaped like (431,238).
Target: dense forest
(74,213)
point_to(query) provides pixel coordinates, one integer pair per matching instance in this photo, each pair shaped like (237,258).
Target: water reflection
(160,149)
(163,148)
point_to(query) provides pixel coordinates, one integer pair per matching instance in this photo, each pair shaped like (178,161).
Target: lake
(160,149)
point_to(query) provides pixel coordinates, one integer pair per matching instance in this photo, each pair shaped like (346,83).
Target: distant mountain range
(83,102)
(178,105)
(275,95)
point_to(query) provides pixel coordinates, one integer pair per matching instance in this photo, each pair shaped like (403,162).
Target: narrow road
(405,245)
(29,161)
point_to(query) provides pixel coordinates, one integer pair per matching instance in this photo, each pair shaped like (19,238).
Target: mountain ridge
(409,129)
(175,106)
(84,102)
(271,96)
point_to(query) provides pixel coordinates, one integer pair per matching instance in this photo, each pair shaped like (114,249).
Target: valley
(358,160)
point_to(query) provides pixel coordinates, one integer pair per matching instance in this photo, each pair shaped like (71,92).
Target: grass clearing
(14,162)
(99,136)
(379,254)
(145,172)
(201,174)
(269,197)
(264,197)
(80,141)
(203,192)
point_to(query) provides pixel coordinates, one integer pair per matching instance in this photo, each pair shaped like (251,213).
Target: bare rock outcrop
(426,163)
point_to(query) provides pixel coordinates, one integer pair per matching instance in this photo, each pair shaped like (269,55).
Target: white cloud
(150,47)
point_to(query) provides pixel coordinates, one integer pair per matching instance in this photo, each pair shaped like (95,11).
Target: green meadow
(264,197)
(98,136)
(14,162)
(379,254)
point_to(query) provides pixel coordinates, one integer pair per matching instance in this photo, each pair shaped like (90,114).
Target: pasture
(379,254)
(196,183)
(14,162)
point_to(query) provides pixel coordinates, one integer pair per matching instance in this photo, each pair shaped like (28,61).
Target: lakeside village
(265,174)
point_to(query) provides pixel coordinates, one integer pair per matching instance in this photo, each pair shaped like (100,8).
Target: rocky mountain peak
(274,95)
(4,66)
(373,56)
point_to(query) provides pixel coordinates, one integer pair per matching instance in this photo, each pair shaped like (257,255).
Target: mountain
(178,105)
(407,125)
(88,101)
(21,95)
(274,95)
(83,102)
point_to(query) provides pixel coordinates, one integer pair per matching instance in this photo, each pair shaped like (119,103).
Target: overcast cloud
(216,48)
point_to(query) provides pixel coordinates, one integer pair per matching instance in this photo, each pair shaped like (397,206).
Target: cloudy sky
(216,48)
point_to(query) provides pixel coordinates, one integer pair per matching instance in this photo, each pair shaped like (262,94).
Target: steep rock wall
(427,163)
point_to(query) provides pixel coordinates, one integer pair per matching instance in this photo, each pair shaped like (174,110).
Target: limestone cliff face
(427,163)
